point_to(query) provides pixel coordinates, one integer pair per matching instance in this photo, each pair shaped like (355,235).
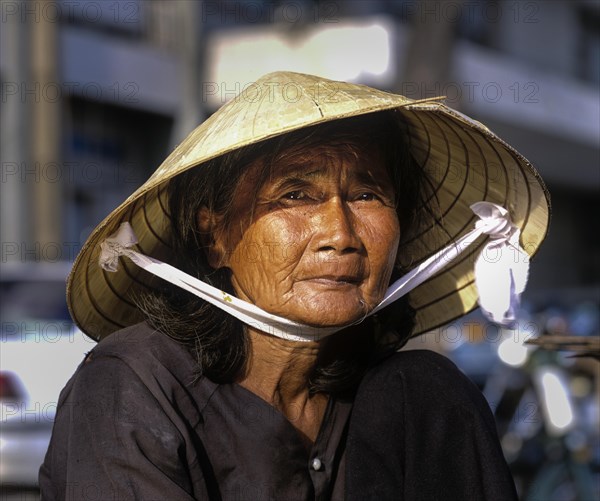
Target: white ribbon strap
(502,268)
(500,286)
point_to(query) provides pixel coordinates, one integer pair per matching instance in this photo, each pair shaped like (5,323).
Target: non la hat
(466,162)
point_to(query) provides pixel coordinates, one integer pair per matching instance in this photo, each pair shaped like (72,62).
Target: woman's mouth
(336,280)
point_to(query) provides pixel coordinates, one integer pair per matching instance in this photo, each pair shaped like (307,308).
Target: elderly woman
(262,362)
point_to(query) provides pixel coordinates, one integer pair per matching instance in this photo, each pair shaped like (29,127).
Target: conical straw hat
(466,162)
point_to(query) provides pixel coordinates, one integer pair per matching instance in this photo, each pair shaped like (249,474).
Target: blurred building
(95,94)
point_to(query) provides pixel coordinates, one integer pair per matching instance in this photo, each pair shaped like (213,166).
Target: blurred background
(95,94)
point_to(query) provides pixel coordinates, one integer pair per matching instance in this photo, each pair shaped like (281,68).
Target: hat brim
(466,162)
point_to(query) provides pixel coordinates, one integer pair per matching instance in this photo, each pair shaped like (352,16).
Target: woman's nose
(337,228)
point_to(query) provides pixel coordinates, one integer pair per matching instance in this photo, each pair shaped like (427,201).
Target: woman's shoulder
(146,351)
(123,420)
(421,375)
(140,341)
(415,409)
(422,364)
(140,357)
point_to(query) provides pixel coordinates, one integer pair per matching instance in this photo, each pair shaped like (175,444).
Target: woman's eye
(295,195)
(367,197)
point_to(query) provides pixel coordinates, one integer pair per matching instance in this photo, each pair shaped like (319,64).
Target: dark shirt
(420,430)
(133,423)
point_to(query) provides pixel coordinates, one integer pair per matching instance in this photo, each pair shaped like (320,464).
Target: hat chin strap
(500,276)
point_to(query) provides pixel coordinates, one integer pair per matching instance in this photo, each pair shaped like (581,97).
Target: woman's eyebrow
(367,177)
(285,182)
(296,173)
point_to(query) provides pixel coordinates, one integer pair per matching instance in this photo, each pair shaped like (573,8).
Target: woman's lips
(335,280)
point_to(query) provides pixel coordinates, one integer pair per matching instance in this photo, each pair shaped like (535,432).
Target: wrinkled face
(320,245)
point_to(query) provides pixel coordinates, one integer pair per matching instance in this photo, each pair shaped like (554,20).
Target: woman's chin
(331,313)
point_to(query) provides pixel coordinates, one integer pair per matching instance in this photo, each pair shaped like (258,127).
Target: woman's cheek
(287,241)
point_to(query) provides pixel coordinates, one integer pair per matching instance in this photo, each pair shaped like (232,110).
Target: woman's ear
(212,238)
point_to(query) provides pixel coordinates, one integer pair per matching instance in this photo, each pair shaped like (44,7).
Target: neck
(278,369)
(278,372)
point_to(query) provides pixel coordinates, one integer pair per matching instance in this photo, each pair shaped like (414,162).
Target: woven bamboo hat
(466,162)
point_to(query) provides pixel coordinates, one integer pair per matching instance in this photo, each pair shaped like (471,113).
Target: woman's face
(320,245)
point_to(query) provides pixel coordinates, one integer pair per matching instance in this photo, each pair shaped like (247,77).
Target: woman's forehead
(355,160)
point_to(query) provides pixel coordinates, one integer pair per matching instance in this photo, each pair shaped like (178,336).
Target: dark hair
(219,340)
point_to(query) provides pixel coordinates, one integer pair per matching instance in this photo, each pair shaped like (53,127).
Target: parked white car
(40,348)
